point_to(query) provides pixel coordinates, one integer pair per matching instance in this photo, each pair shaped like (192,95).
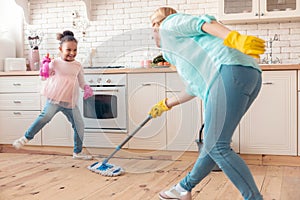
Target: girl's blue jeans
(73,115)
(229,98)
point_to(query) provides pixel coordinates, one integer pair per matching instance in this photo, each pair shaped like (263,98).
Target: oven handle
(111,90)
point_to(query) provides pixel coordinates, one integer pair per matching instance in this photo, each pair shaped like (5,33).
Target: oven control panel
(105,79)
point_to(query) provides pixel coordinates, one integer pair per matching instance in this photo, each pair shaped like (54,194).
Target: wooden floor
(45,175)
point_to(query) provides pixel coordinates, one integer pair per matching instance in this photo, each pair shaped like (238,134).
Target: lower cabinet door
(183,125)
(144,91)
(270,125)
(14,124)
(58,132)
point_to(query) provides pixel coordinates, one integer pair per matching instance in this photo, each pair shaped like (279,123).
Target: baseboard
(278,160)
(250,159)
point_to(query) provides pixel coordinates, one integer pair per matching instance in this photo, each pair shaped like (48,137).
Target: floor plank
(290,184)
(272,184)
(38,175)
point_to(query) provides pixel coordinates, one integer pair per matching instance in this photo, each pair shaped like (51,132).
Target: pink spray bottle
(44,70)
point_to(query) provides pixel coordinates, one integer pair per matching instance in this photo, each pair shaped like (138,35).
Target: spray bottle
(44,69)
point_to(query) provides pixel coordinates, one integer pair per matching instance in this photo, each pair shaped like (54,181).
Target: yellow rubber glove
(159,108)
(250,45)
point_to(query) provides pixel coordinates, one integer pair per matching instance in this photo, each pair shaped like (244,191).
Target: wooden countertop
(264,67)
(98,71)
(130,70)
(274,67)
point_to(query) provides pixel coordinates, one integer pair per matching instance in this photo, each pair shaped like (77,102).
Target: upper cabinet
(245,11)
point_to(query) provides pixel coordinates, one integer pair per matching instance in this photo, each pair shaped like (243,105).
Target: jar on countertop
(147,60)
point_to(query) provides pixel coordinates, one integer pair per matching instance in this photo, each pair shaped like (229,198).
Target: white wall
(119,29)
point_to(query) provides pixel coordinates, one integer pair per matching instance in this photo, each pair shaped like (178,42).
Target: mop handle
(127,139)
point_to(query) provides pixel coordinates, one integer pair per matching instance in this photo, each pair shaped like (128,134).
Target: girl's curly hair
(66,36)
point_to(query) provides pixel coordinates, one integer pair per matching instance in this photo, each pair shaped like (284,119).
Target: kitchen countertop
(274,67)
(264,67)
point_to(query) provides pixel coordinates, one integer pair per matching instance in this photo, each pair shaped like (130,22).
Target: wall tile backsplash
(120,31)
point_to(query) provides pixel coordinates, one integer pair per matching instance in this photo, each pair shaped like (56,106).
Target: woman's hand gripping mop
(107,169)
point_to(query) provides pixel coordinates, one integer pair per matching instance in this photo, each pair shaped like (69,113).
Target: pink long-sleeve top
(62,87)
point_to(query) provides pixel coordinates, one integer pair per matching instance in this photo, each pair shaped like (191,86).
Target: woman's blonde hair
(161,13)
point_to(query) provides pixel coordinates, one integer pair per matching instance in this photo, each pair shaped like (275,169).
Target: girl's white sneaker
(82,156)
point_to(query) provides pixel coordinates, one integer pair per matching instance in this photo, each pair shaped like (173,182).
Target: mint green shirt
(197,55)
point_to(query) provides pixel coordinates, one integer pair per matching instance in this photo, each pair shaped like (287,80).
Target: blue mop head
(106,169)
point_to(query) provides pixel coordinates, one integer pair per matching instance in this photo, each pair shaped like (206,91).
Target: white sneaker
(172,193)
(82,156)
(19,143)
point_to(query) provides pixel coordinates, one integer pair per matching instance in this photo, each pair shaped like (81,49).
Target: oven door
(106,110)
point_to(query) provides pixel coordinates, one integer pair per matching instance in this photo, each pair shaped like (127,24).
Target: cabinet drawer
(21,84)
(24,101)
(14,124)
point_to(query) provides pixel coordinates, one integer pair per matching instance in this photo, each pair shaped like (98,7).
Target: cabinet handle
(268,83)
(116,90)
(256,14)
(146,84)
(17,113)
(262,14)
(17,84)
(17,101)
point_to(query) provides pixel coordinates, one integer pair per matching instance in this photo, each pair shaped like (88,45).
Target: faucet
(269,58)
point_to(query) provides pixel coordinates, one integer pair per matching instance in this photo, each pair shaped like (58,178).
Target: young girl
(217,65)
(62,91)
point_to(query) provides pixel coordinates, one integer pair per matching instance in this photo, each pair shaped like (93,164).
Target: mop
(107,169)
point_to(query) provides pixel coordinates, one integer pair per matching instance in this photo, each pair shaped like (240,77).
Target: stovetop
(105,67)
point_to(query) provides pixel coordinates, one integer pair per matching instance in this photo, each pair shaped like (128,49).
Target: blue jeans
(73,115)
(230,96)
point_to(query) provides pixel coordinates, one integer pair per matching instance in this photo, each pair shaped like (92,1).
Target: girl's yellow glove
(250,45)
(159,108)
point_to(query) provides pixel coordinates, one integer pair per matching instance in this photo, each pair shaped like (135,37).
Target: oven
(106,111)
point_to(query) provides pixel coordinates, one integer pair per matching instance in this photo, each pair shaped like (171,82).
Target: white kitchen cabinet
(235,11)
(19,107)
(270,125)
(13,125)
(58,132)
(144,91)
(184,120)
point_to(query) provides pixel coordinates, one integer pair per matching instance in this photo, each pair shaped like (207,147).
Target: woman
(217,66)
